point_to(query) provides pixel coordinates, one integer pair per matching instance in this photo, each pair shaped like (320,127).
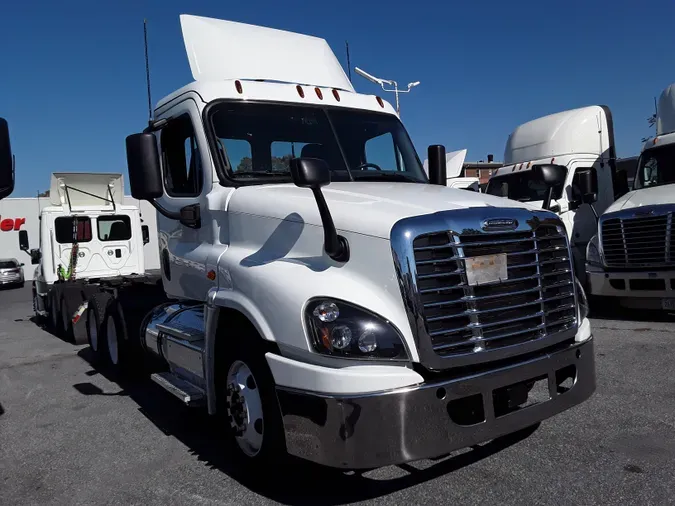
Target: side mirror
(438,173)
(145,232)
(310,172)
(6,161)
(21,264)
(35,256)
(23,240)
(552,176)
(314,173)
(145,174)
(621,184)
(587,180)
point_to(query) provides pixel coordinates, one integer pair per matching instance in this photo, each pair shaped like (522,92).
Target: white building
(23,214)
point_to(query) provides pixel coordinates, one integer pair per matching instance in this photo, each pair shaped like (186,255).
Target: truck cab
(6,161)
(580,140)
(326,299)
(86,234)
(631,260)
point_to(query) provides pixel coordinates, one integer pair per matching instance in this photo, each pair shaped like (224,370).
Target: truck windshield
(656,167)
(522,186)
(259,140)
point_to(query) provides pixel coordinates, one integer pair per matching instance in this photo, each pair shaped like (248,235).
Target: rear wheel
(116,339)
(96,336)
(67,322)
(54,314)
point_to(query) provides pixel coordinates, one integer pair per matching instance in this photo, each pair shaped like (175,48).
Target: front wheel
(247,406)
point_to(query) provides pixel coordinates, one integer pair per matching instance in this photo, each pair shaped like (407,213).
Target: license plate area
(668,304)
(485,269)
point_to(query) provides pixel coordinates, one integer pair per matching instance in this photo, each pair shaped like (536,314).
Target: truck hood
(364,208)
(656,195)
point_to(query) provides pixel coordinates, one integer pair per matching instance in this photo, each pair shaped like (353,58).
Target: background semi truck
(87,237)
(317,292)
(580,140)
(6,161)
(632,258)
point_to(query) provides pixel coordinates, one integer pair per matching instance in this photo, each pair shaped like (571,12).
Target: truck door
(187,178)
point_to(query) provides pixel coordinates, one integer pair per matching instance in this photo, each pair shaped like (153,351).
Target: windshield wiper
(255,173)
(386,176)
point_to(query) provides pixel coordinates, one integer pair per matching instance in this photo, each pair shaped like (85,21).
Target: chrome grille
(536,300)
(639,241)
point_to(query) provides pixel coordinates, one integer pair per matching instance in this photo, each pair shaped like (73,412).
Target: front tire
(247,406)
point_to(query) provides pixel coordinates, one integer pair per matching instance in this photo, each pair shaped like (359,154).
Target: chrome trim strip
(461,222)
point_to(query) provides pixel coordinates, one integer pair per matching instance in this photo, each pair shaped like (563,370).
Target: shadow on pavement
(304,483)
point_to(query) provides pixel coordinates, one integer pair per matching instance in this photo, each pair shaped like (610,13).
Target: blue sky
(72,84)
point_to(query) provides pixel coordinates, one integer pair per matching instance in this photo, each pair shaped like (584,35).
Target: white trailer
(631,260)
(318,293)
(87,236)
(580,140)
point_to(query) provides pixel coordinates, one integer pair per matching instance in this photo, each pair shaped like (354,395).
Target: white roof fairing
(582,130)
(221,50)
(665,111)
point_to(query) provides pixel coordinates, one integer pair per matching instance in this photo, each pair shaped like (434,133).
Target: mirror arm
(172,215)
(335,245)
(548,198)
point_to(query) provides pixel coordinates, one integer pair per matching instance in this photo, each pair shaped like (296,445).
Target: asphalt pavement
(70,434)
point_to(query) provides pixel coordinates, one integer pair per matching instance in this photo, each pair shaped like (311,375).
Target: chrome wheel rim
(111,336)
(244,407)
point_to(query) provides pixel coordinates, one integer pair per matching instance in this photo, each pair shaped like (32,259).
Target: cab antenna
(147,69)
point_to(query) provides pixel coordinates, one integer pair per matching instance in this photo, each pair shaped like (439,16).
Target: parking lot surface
(70,434)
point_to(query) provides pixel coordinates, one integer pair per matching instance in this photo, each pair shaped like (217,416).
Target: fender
(215,300)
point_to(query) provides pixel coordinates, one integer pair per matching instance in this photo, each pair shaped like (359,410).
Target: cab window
(114,228)
(70,229)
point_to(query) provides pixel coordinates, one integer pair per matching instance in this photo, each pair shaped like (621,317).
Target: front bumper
(411,423)
(640,289)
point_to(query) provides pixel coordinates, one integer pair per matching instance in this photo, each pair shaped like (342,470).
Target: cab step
(190,394)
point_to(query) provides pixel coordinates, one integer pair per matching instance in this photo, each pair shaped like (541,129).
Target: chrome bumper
(375,430)
(635,289)
(6,280)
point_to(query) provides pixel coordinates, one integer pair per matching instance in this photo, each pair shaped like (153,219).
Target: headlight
(582,300)
(593,251)
(343,330)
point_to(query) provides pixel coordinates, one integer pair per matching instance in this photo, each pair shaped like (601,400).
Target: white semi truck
(582,142)
(631,260)
(319,293)
(6,161)
(87,237)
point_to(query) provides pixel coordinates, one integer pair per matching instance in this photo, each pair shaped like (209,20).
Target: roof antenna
(349,65)
(147,69)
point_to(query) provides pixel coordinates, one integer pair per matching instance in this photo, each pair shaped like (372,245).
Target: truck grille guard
(641,238)
(458,324)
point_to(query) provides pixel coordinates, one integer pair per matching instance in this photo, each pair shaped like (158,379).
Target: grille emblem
(500,224)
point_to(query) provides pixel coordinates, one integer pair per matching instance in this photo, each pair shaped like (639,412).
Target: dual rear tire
(106,333)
